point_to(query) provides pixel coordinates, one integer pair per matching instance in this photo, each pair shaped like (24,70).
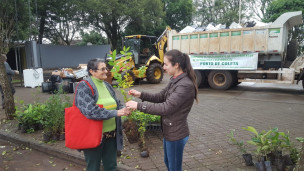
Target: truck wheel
(220,80)
(131,76)
(292,50)
(200,78)
(155,73)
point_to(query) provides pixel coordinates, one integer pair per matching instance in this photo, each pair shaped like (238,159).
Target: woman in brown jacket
(173,104)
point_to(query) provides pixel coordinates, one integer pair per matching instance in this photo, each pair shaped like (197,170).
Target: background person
(9,73)
(110,114)
(173,104)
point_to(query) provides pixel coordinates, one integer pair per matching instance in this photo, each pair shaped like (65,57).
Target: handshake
(130,105)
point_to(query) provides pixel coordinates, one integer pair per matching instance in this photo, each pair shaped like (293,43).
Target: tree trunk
(6,88)
(300,164)
(41,27)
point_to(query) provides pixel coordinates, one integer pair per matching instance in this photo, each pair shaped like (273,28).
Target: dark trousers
(105,152)
(173,153)
(13,92)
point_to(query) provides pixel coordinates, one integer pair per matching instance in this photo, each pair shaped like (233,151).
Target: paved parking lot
(262,106)
(259,105)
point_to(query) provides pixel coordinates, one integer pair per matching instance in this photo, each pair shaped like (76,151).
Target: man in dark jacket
(9,73)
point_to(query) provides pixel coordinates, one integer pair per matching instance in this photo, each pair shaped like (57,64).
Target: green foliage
(8,24)
(146,20)
(124,83)
(93,37)
(109,16)
(270,142)
(255,9)
(300,139)
(278,7)
(142,70)
(240,144)
(178,13)
(260,140)
(50,114)
(30,115)
(118,67)
(54,113)
(217,11)
(62,19)
(142,119)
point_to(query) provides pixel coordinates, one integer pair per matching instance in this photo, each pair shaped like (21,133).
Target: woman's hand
(131,104)
(134,93)
(123,112)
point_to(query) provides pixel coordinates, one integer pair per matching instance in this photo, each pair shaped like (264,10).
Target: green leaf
(251,129)
(3,153)
(251,142)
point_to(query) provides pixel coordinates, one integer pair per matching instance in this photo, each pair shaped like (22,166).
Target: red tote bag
(81,132)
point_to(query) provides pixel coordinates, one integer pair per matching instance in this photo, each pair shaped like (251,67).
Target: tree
(92,37)
(109,16)
(178,13)
(63,22)
(59,20)
(146,20)
(216,11)
(12,18)
(257,8)
(6,88)
(278,7)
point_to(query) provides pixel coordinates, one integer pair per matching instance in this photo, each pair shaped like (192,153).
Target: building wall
(59,56)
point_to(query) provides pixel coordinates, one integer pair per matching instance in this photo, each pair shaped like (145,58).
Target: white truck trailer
(225,58)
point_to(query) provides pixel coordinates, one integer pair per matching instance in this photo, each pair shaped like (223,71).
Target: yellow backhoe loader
(146,51)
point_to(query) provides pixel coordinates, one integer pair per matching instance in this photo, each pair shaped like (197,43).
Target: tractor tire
(131,75)
(200,78)
(155,73)
(292,50)
(220,80)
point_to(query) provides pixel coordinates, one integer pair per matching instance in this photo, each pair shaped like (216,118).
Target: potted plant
(241,146)
(262,143)
(121,72)
(30,117)
(54,126)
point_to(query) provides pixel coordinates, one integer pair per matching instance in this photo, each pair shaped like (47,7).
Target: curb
(14,138)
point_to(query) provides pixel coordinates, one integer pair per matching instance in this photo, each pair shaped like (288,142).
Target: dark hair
(183,60)
(93,64)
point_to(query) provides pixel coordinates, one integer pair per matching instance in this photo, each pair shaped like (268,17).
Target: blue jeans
(173,151)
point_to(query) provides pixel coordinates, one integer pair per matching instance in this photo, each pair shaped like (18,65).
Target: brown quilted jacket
(173,104)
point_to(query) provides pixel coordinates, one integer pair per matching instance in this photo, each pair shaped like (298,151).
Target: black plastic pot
(55,137)
(287,160)
(268,166)
(270,157)
(62,137)
(290,168)
(280,164)
(260,166)
(144,154)
(19,126)
(47,137)
(248,159)
(24,128)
